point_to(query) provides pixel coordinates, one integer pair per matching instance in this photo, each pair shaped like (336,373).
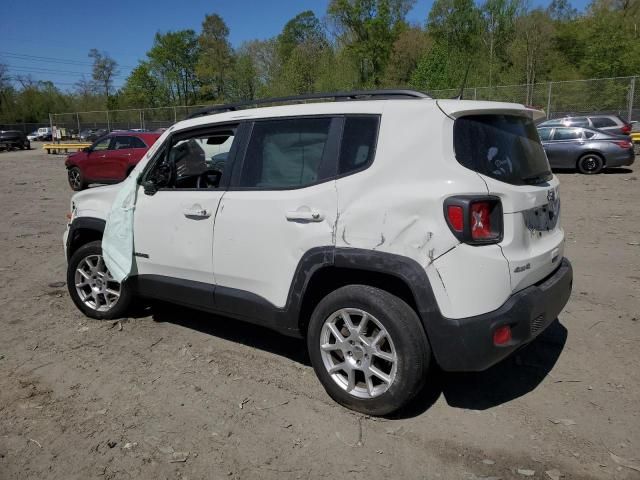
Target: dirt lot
(180,394)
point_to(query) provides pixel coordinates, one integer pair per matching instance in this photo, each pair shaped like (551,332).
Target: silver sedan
(586,149)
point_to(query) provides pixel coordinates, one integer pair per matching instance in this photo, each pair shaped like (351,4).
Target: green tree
(368,29)
(562,10)
(215,57)
(172,61)
(410,46)
(304,28)
(142,88)
(453,27)
(531,48)
(497,30)
(104,69)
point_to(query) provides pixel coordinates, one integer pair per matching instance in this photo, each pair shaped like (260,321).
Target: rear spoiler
(459,108)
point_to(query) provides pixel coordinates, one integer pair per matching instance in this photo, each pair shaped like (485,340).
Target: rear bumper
(467,344)
(622,160)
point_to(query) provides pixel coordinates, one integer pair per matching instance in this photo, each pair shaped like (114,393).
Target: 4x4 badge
(551,195)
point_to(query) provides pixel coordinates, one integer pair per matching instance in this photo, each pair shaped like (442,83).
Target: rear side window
(137,143)
(358,143)
(285,153)
(589,133)
(601,122)
(566,134)
(504,147)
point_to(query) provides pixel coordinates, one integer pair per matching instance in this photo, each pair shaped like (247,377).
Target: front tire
(368,349)
(91,286)
(76,179)
(590,164)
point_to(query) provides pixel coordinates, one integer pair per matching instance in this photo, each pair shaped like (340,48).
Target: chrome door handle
(196,212)
(305,216)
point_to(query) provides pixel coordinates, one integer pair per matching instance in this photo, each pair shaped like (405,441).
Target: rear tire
(76,179)
(590,164)
(91,287)
(378,364)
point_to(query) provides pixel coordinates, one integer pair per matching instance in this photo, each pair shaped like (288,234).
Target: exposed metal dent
(344,236)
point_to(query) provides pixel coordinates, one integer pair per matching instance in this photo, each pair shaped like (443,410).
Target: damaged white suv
(391,230)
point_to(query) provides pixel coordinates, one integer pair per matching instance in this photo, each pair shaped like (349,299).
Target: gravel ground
(181,394)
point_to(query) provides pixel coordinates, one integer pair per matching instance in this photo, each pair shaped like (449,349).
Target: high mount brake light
(475,220)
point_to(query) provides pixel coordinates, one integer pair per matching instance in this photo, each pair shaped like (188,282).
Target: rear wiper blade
(539,178)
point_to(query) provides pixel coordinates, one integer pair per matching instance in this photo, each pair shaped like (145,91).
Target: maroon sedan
(109,160)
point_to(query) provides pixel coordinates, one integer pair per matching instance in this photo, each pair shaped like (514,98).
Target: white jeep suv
(391,230)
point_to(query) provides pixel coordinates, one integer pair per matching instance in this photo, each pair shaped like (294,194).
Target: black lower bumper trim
(467,344)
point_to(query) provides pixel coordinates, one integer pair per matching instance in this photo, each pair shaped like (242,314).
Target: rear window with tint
(601,122)
(504,147)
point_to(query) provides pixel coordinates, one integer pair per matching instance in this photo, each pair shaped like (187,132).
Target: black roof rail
(336,96)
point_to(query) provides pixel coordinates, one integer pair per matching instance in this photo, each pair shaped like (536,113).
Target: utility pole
(549,101)
(632,93)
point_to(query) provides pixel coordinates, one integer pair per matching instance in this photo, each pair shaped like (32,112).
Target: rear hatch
(500,143)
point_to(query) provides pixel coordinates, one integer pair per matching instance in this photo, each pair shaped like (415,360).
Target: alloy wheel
(358,353)
(94,284)
(74,178)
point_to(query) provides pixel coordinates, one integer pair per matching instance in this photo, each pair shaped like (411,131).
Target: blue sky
(64,31)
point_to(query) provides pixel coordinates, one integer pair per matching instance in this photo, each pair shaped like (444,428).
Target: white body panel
(178,244)
(395,206)
(257,249)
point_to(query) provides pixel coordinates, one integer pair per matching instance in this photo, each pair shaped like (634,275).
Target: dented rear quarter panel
(396,206)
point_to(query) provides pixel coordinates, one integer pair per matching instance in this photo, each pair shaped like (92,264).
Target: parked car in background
(607,123)
(586,149)
(92,134)
(14,139)
(33,136)
(109,160)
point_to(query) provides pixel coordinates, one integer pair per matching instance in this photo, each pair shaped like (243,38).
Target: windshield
(504,147)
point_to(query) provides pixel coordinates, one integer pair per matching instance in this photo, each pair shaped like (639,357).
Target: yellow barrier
(635,136)
(64,147)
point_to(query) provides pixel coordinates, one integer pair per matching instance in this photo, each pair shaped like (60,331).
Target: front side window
(567,134)
(545,134)
(193,160)
(122,143)
(285,153)
(102,144)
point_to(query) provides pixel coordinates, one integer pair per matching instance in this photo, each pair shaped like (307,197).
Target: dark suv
(14,139)
(109,159)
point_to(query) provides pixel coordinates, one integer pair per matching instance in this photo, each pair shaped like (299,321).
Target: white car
(33,136)
(390,230)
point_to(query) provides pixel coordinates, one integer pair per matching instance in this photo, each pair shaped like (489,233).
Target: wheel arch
(401,276)
(84,230)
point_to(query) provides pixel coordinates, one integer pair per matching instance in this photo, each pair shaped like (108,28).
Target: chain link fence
(620,96)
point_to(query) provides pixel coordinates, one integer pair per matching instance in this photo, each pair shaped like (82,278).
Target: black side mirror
(150,187)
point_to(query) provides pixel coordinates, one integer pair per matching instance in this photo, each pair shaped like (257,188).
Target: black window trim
(331,155)
(174,137)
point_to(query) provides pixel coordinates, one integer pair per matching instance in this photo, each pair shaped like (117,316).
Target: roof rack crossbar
(337,96)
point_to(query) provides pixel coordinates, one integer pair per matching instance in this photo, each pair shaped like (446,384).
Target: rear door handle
(196,211)
(305,216)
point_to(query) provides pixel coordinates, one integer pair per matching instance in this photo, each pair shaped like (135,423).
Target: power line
(16,79)
(53,71)
(39,58)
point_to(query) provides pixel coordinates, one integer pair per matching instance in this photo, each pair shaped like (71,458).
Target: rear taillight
(626,129)
(475,220)
(455,216)
(481,220)
(624,144)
